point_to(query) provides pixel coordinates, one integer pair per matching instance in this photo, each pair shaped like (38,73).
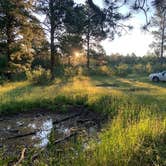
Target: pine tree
(103,23)
(71,41)
(54,10)
(18,24)
(159,23)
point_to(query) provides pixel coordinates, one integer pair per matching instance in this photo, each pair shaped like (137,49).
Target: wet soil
(33,129)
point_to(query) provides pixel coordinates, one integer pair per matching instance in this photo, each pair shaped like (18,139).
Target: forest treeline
(48,36)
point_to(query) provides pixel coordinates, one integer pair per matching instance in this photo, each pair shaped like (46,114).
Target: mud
(33,129)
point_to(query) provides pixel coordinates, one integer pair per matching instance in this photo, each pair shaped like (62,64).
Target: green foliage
(69,71)
(2,79)
(148,68)
(131,64)
(39,76)
(139,68)
(21,34)
(159,67)
(99,70)
(3,62)
(105,70)
(122,70)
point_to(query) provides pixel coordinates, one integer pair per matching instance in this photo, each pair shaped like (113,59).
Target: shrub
(148,68)
(101,70)
(18,76)
(159,67)
(81,71)
(122,70)
(105,70)
(70,71)
(39,76)
(139,68)
(59,70)
(2,79)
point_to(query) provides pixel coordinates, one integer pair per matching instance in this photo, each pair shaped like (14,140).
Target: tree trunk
(52,47)
(162,39)
(88,51)
(9,34)
(162,44)
(88,42)
(69,61)
(52,54)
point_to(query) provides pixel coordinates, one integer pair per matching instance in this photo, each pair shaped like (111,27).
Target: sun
(77,54)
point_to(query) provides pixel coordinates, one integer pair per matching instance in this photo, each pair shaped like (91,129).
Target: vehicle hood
(153,74)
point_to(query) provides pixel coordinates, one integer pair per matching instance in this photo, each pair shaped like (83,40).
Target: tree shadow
(19,91)
(129,82)
(105,81)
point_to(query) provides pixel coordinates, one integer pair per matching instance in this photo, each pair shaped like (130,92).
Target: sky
(135,41)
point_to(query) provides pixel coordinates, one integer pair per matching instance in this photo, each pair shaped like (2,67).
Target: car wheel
(155,79)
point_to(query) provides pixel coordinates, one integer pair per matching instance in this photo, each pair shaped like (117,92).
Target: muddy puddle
(34,129)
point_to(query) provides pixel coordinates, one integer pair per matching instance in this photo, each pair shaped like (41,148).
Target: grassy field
(135,134)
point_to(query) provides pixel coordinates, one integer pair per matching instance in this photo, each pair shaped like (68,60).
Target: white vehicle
(156,77)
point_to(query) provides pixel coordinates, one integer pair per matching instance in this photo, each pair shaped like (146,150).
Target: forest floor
(135,133)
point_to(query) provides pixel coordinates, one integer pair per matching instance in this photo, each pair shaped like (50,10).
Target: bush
(159,67)
(70,71)
(59,71)
(2,79)
(139,68)
(81,71)
(39,76)
(101,71)
(18,76)
(122,70)
(105,70)
(148,68)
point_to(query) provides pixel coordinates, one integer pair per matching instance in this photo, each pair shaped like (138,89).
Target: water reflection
(44,133)
(34,131)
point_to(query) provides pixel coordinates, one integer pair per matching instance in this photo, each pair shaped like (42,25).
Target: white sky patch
(135,41)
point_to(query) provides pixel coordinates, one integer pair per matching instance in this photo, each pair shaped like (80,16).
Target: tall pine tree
(17,24)
(54,12)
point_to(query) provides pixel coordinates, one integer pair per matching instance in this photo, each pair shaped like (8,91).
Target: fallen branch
(23,135)
(83,120)
(21,157)
(67,118)
(65,138)
(35,156)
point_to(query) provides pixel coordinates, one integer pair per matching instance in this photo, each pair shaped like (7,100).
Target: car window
(164,72)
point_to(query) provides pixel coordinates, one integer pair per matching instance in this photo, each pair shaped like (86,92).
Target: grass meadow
(135,133)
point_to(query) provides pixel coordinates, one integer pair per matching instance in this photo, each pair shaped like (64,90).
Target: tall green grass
(128,140)
(135,133)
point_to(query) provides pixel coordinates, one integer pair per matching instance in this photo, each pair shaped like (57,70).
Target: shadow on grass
(127,83)
(145,79)
(106,81)
(19,91)
(29,88)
